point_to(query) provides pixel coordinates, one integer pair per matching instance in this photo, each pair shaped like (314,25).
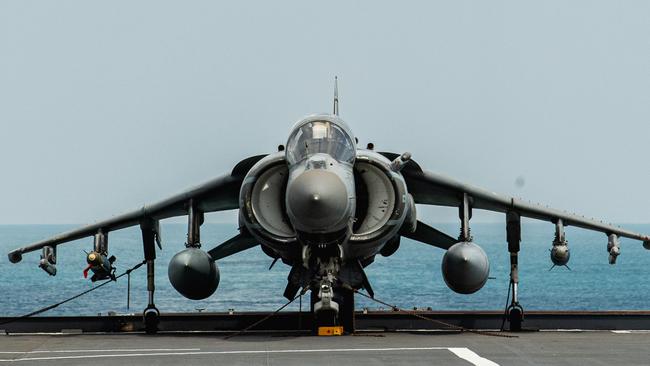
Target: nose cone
(317,200)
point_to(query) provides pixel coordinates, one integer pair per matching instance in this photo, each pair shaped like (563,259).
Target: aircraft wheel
(151,317)
(323,318)
(346,309)
(515,317)
(345,316)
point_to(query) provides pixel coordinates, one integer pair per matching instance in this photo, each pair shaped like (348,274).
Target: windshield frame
(338,142)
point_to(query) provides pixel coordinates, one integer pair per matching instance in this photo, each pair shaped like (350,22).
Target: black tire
(346,310)
(515,317)
(151,318)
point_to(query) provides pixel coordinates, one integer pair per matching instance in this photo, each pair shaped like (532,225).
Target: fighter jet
(326,208)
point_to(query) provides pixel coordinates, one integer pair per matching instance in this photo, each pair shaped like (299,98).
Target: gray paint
(529,348)
(317,200)
(465,267)
(193,273)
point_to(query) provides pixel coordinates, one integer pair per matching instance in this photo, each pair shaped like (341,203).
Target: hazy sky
(107,105)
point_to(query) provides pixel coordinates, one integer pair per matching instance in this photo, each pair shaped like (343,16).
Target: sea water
(409,278)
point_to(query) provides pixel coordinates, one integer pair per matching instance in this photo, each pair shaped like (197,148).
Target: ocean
(410,278)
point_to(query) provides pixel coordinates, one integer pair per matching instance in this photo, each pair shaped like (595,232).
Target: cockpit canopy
(321,134)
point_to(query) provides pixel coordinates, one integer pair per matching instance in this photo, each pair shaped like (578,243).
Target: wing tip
(15,256)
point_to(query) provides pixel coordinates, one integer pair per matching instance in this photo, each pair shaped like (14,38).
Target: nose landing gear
(333,310)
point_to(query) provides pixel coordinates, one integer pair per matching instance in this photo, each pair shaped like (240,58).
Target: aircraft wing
(218,194)
(436,189)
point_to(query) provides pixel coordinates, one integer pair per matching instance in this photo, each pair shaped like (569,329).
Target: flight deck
(285,338)
(366,348)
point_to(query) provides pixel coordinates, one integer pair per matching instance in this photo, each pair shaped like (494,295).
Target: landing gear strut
(332,292)
(150,315)
(513,232)
(344,317)
(346,311)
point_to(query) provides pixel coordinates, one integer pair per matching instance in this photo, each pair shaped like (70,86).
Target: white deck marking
(103,350)
(630,331)
(463,353)
(470,356)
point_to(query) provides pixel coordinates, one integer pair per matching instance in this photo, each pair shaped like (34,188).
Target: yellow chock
(330,331)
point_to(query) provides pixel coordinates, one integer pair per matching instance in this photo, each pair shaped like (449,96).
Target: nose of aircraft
(317,200)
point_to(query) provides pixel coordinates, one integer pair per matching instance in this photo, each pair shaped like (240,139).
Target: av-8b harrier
(326,208)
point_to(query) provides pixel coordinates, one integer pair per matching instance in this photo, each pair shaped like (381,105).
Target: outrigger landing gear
(513,232)
(151,318)
(150,315)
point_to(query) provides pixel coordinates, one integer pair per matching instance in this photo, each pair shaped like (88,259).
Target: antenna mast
(336,95)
